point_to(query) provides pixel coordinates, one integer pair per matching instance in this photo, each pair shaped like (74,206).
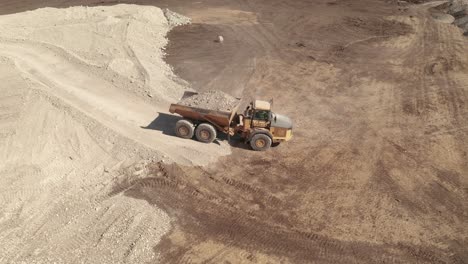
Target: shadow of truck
(166,124)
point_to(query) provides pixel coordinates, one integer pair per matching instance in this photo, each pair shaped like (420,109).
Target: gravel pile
(174,19)
(214,100)
(118,52)
(459,10)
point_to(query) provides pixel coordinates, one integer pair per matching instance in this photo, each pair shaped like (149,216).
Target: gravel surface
(459,9)
(176,19)
(214,100)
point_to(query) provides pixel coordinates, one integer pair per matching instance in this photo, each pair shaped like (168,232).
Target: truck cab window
(262,115)
(248,112)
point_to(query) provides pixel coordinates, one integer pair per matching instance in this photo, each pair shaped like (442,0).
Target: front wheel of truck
(260,142)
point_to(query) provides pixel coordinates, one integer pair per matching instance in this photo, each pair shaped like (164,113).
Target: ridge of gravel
(213,100)
(459,10)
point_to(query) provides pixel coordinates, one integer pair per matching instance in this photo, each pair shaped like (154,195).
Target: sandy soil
(83,90)
(376,172)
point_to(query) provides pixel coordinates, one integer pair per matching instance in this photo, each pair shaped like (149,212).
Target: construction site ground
(377,171)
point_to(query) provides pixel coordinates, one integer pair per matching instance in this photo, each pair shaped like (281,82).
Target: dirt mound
(215,100)
(176,19)
(72,107)
(107,62)
(123,44)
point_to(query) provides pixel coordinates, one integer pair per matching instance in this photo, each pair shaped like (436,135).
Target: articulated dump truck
(257,126)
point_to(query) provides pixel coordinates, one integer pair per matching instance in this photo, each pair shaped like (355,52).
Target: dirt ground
(377,171)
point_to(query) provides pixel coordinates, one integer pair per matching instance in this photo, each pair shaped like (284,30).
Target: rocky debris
(214,100)
(174,19)
(459,10)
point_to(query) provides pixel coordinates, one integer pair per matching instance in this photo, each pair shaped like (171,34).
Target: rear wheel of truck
(260,142)
(184,129)
(205,133)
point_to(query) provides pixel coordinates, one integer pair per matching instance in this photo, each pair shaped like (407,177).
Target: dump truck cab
(259,122)
(257,115)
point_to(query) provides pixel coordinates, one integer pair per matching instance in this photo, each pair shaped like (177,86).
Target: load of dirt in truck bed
(214,100)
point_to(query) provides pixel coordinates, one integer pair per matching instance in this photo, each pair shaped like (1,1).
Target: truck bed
(220,119)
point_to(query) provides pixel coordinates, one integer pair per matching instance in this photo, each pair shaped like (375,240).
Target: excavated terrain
(377,170)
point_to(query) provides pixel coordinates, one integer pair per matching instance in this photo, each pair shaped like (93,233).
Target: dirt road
(377,170)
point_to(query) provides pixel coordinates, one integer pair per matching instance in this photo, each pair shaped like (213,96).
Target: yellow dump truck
(258,125)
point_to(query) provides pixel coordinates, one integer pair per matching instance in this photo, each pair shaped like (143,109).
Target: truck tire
(260,142)
(205,133)
(184,129)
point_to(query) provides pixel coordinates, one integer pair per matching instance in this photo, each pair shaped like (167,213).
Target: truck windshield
(262,115)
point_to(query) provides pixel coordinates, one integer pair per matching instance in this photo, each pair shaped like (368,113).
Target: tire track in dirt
(131,54)
(233,228)
(434,102)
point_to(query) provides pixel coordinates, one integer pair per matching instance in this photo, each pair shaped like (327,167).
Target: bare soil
(377,171)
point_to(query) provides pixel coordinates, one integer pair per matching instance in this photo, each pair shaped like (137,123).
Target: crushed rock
(214,100)
(174,19)
(459,10)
